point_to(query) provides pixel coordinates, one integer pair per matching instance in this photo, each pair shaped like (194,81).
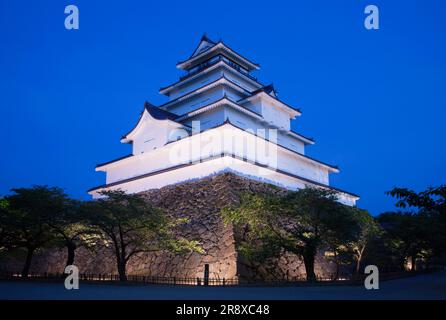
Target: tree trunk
(71,248)
(308,257)
(413,261)
(27,266)
(427,264)
(122,271)
(337,267)
(358,264)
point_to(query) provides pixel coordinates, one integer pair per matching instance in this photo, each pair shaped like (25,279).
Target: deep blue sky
(375,101)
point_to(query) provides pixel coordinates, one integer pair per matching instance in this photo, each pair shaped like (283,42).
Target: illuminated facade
(218,118)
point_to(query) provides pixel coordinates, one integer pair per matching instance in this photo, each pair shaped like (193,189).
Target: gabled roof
(269,89)
(204,44)
(208,48)
(154,112)
(159,114)
(272,93)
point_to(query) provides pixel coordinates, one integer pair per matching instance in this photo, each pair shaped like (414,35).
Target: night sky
(374,100)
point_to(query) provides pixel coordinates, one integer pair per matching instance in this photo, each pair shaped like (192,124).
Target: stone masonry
(201,202)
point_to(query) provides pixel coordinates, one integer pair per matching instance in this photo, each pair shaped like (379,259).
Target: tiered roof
(208,48)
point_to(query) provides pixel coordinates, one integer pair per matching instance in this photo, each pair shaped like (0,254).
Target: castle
(219,118)
(220,133)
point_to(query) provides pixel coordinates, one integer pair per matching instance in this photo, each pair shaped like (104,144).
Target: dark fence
(321,279)
(168,280)
(130,278)
(157,280)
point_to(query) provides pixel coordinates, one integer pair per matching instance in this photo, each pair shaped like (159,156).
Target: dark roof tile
(159,114)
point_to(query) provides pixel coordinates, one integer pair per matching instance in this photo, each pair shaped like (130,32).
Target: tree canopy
(28,211)
(131,226)
(421,232)
(300,222)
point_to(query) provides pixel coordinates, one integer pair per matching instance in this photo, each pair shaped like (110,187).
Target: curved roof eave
(167,89)
(156,114)
(255,93)
(220,44)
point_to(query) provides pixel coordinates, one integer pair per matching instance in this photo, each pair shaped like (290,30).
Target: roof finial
(205,37)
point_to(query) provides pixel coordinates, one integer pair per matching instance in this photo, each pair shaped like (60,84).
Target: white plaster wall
(208,168)
(204,99)
(196,83)
(209,119)
(303,168)
(224,139)
(203,169)
(246,122)
(254,106)
(149,138)
(211,76)
(275,116)
(291,142)
(152,134)
(240,80)
(233,94)
(198,101)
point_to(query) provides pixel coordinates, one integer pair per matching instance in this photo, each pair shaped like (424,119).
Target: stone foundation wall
(201,202)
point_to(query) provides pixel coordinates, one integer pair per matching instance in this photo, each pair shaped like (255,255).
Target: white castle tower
(219,118)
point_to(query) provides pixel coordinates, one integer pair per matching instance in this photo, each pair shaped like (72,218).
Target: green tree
(131,226)
(300,222)
(369,229)
(3,221)
(408,232)
(71,228)
(432,200)
(27,211)
(57,214)
(340,235)
(430,206)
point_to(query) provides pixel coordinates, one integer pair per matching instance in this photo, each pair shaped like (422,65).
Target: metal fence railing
(90,277)
(130,278)
(166,280)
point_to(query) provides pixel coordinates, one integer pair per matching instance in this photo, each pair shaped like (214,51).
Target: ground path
(428,286)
